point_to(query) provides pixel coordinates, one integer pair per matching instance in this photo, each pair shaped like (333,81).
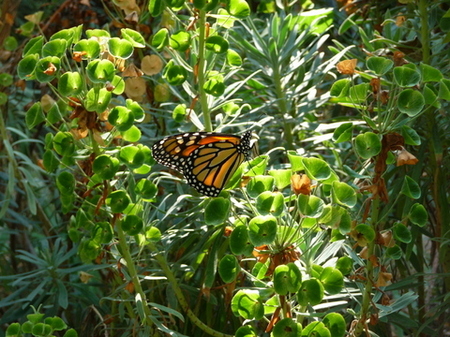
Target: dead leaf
(347,67)
(151,64)
(406,158)
(301,184)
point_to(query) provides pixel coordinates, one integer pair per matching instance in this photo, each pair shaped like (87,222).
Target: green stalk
(424,30)
(201,70)
(180,297)
(367,294)
(126,255)
(282,106)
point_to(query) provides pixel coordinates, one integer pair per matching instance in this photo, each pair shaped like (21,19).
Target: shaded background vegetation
(39,264)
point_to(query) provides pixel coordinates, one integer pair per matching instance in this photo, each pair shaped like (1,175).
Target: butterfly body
(206,159)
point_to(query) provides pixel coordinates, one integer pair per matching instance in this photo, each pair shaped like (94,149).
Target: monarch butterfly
(206,159)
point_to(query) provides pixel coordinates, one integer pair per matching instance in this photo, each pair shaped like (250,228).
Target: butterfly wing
(206,159)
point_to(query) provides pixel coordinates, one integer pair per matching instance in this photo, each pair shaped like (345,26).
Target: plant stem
(180,297)
(424,31)
(140,295)
(201,70)
(282,106)
(367,294)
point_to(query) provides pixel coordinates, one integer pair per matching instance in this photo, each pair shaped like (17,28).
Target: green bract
(229,268)
(379,65)
(367,145)
(121,117)
(70,84)
(262,230)
(247,304)
(100,71)
(217,211)
(240,242)
(259,184)
(88,49)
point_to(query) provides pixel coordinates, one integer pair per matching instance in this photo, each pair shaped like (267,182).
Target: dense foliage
(338,225)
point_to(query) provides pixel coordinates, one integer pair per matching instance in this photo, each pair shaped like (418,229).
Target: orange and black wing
(206,159)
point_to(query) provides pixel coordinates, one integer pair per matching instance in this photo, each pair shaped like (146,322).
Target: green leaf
(66,183)
(34,115)
(239,8)
(161,38)
(33,46)
(214,86)
(118,201)
(233,58)
(93,33)
(131,135)
(47,69)
(71,333)
(180,41)
(332,280)
(316,168)
(365,234)
(174,74)
(394,253)
(105,166)
(418,215)
(13,330)
(146,189)
(311,292)
(411,136)
(55,47)
(287,278)
(404,76)
(134,156)
(64,143)
(430,96)
(358,93)
(262,230)
(224,19)
(217,211)
(239,241)
(155,7)
(132,224)
(217,44)
(259,184)
(100,71)
(310,206)
(120,48)
(410,102)
(88,49)
(70,84)
(344,194)
(97,100)
(287,327)
(402,233)
(247,304)
(367,145)
(336,324)
(343,133)
(50,161)
(121,117)
(340,88)
(246,331)
(345,265)
(229,268)
(179,113)
(410,188)
(134,37)
(444,89)
(430,74)
(379,65)
(282,178)
(270,203)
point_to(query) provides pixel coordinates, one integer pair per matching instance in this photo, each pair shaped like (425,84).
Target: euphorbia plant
(389,95)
